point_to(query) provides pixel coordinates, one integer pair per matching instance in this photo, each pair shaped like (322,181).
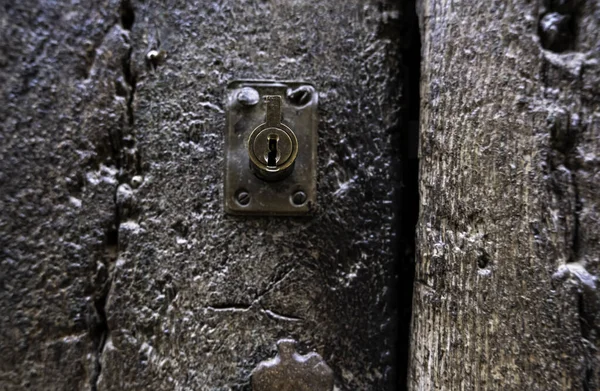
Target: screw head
(243,198)
(248,96)
(300,96)
(299,198)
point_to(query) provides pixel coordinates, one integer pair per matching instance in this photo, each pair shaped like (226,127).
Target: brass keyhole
(272,146)
(273,139)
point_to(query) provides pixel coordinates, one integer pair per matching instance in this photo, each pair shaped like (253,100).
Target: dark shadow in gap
(407,199)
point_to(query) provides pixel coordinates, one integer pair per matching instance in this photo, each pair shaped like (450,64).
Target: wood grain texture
(506,294)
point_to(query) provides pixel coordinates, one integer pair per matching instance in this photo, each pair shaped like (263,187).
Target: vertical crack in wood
(101,333)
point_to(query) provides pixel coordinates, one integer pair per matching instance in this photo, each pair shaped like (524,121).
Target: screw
(300,96)
(243,198)
(248,96)
(299,198)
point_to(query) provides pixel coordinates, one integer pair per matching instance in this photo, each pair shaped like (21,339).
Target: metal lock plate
(270,148)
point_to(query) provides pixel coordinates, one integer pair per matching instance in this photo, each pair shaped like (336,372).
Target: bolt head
(299,198)
(248,96)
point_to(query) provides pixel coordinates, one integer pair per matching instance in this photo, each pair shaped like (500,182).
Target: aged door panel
(205,296)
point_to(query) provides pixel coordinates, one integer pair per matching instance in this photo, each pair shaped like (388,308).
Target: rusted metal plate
(270,148)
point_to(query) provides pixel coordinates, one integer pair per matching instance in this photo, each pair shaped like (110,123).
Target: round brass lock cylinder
(272,146)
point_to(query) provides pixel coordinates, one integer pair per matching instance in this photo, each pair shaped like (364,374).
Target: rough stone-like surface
(64,106)
(119,270)
(199,298)
(506,293)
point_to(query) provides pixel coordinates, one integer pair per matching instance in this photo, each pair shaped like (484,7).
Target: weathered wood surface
(119,270)
(506,296)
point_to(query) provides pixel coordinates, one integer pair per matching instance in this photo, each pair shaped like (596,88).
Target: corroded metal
(270,148)
(290,371)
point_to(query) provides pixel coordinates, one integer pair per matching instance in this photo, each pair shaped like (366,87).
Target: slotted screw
(243,198)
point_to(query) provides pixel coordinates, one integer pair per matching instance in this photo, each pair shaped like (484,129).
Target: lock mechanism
(270,148)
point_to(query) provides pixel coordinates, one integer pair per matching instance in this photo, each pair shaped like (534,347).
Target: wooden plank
(506,295)
(203,297)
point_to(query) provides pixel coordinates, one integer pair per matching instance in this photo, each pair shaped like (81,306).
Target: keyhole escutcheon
(272,146)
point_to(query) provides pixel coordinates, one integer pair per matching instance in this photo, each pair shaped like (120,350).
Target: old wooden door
(119,269)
